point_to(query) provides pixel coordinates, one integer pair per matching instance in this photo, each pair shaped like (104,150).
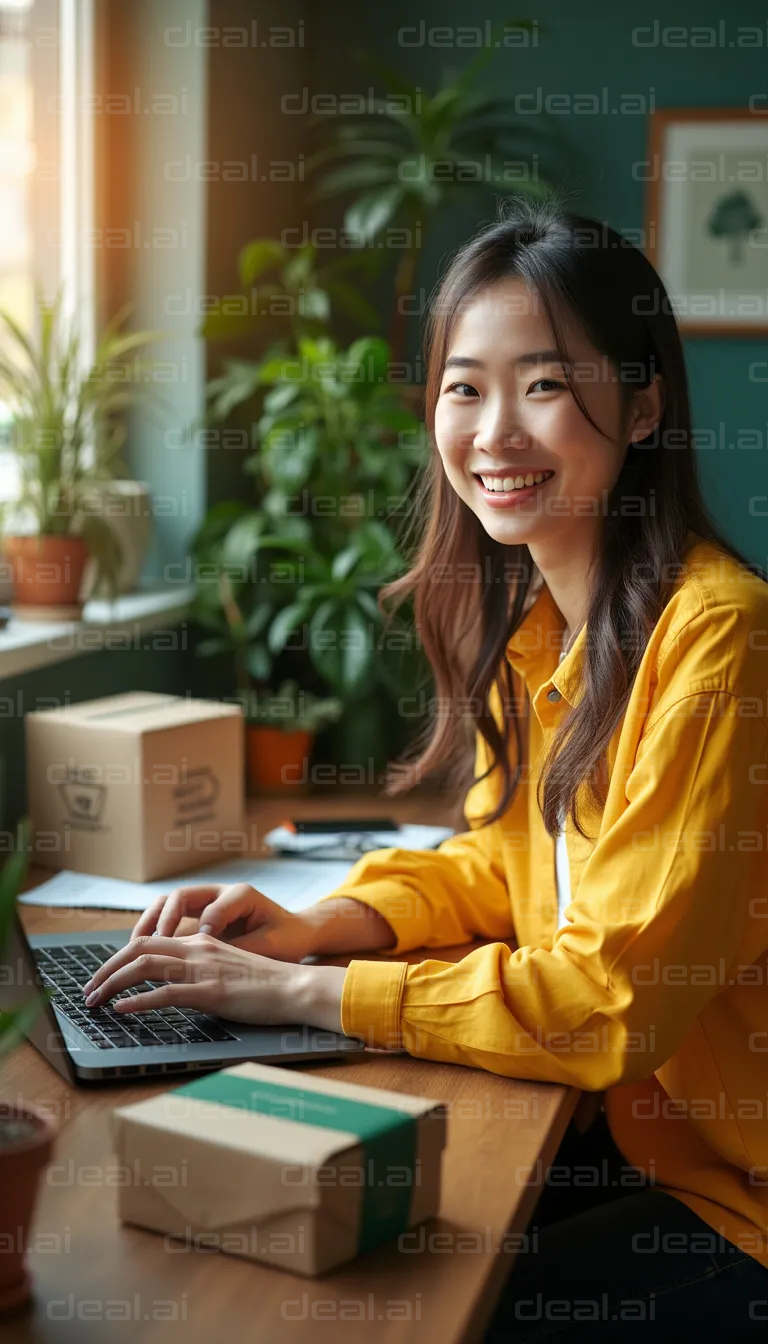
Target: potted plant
(414,155)
(66,431)
(289,584)
(280,733)
(26,1133)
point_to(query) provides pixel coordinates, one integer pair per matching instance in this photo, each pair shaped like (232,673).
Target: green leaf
(218,521)
(344,561)
(378,549)
(238,384)
(343,147)
(281,396)
(257,257)
(373,211)
(243,541)
(258,620)
(299,269)
(289,532)
(12,877)
(353,304)
(258,662)
(340,645)
(207,648)
(439,108)
(316,304)
(296,545)
(370,357)
(15,1024)
(284,624)
(369,606)
(353,176)
(289,455)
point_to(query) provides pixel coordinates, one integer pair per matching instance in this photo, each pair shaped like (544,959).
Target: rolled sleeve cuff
(371,1002)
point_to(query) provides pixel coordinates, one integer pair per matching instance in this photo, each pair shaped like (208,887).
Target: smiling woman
(539,363)
(630,732)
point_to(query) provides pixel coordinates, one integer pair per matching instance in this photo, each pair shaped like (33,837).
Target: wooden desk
(96,1280)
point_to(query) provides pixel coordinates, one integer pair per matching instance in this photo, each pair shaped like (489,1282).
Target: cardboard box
(283,1167)
(134,786)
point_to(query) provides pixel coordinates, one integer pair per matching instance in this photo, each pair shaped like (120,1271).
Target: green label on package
(388,1140)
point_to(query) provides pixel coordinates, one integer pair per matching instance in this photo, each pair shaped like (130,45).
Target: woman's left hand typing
(205,973)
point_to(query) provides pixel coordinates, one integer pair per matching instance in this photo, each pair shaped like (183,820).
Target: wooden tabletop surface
(96,1280)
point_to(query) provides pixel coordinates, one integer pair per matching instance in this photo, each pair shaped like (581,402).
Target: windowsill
(27,645)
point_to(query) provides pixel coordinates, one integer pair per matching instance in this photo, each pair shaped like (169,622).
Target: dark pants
(623,1261)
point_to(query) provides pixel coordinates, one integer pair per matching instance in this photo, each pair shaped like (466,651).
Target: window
(17,163)
(46,170)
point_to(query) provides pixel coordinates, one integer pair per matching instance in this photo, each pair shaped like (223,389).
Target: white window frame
(63,198)
(77,200)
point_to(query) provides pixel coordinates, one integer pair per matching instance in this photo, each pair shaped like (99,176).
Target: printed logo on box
(195,797)
(84,802)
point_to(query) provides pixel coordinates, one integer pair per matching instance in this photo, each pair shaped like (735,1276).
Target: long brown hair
(580,269)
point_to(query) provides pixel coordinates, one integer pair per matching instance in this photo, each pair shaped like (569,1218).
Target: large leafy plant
(289,585)
(413,154)
(67,421)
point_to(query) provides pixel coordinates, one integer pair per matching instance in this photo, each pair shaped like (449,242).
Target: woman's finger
(170,995)
(231,903)
(137,948)
(147,921)
(185,901)
(146,967)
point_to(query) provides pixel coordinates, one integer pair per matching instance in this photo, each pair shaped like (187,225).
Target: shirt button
(554,695)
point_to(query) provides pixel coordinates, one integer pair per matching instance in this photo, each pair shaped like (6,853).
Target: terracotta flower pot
(47,574)
(26,1141)
(277,761)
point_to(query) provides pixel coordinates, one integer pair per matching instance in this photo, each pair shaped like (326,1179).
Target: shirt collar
(537,643)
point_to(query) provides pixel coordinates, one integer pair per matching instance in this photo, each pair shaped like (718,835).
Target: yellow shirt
(655,989)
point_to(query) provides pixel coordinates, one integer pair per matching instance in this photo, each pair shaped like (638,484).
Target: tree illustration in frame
(733,217)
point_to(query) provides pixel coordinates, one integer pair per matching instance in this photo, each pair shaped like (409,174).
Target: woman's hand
(239,915)
(216,977)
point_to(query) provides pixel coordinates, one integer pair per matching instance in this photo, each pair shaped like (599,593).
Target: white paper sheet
(293,883)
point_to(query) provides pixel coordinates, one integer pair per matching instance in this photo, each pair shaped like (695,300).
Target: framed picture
(706,224)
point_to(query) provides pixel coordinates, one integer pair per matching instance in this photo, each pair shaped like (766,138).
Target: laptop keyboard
(64,971)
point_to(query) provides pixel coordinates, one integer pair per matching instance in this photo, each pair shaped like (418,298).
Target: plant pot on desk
(26,1142)
(47,575)
(277,761)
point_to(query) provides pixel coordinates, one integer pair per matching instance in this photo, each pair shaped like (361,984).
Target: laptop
(91,1045)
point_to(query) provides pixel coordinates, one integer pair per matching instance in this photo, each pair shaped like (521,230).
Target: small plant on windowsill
(67,432)
(26,1133)
(280,733)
